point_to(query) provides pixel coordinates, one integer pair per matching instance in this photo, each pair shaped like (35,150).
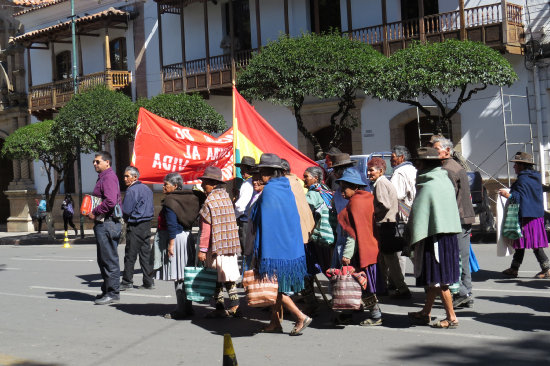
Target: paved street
(47,317)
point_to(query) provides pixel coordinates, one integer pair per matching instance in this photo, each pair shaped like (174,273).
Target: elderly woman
(385,212)
(174,244)
(219,241)
(361,248)
(319,248)
(278,245)
(434,222)
(250,234)
(527,192)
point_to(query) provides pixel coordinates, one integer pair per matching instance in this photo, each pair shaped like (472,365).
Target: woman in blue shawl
(278,246)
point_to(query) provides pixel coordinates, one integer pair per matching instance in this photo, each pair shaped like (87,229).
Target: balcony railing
(487,24)
(55,95)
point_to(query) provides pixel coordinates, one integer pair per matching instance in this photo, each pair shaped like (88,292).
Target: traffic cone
(66,243)
(229,357)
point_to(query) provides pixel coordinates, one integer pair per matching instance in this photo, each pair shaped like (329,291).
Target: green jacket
(434,210)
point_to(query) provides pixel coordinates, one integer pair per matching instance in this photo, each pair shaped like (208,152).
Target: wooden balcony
(488,24)
(45,98)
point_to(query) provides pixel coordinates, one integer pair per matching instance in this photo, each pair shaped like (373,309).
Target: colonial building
(147,47)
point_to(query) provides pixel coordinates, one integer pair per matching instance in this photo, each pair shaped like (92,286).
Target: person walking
(107,228)
(385,212)
(527,192)
(404,181)
(137,211)
(434,223)
(245,195)
(361,248)
(40,212)
(219,241)
(461,184)
(174,247)
(68,213)
(278,245)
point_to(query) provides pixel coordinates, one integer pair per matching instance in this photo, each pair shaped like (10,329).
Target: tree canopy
(37,142)
(288,70)
(444,71)
(189,110)
(96,117)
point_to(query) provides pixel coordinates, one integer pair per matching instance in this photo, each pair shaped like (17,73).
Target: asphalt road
(47,317)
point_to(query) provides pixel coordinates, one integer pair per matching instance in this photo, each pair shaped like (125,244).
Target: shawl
(185,205)
(434,210)
(325,192)
(219,212)
(527,192)
(357,219)
(307,222)
(278,244)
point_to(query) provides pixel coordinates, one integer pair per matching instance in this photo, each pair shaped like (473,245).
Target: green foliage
(189,110)
(96,116)
(288,70)
(441,71)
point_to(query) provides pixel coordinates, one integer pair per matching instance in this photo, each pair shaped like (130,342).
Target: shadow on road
(528,283)
(70,295)
(526,351)
(531,302)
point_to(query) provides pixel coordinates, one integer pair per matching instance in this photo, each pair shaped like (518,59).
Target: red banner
(162,146)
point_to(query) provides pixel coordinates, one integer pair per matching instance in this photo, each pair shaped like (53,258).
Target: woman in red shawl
(361,248)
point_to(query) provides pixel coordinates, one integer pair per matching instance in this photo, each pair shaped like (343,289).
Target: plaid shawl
(218,211)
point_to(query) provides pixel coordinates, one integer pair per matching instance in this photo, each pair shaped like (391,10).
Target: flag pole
(235,129)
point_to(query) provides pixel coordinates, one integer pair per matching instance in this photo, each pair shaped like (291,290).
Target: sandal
(445,324)
(512,272)
(543,274)
(417,318)
(298,331)
(234,313)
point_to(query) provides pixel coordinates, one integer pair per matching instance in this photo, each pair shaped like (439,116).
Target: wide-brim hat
(523,157)
(247,161)
(269,160)
(212,173)
(352,175)
(254,169)
(427,153)
(342,159)
(333,151)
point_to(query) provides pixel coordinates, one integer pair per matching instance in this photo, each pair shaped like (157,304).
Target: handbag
(346,289)
(260,291)
(511,227)
(392,237)
(200,283)
(323,232)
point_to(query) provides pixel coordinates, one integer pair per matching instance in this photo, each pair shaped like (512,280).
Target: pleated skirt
(444,270)
(184,255)
(534,234)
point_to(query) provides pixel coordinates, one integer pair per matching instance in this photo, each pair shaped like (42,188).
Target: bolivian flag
(253,136)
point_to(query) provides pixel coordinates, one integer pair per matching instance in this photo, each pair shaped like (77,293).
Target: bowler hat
(523,157)
(352,175)
(333,151)
(343,159)
(213,173)
(268,160)
(426,153)
(246,161)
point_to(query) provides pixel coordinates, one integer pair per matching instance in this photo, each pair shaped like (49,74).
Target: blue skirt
(446,271)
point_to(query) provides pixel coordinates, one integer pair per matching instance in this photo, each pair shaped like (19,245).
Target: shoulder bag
(511,227)
(260,291)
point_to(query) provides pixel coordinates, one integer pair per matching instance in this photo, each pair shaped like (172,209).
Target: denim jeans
(464,249)
(107,235)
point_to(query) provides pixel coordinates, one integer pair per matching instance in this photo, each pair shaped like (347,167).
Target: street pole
(75,86)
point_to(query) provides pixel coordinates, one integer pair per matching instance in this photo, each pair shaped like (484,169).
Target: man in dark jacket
(458,176)
(137,211)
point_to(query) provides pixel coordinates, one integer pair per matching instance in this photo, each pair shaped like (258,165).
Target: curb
(34,239)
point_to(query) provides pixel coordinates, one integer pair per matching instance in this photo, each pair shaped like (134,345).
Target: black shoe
(106,300)
(99,296)
(143,287)
(125,286)
(460,300)
(398,295)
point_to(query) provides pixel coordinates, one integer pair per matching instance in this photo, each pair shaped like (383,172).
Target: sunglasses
(97,162)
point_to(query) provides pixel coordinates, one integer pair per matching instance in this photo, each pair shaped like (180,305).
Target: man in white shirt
(404,181)
(245,195)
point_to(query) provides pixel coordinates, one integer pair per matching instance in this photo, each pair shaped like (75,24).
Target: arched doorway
(416,136)
(324,135)
(6,176)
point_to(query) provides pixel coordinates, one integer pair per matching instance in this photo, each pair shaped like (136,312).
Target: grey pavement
(47,317)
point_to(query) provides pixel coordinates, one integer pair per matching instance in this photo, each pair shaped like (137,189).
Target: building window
(63,65)
(329,15)
(117,48)
(241,24)
(411,11)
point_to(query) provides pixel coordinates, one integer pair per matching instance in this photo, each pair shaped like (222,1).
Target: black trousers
(68,220)
(539,254)
(138,243)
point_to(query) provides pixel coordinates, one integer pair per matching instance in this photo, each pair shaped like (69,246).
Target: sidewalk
(33,238)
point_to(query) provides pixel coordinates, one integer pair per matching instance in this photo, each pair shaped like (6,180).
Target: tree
(96,117)
(325,66)
(189,110)
(37,142)
(451,70)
